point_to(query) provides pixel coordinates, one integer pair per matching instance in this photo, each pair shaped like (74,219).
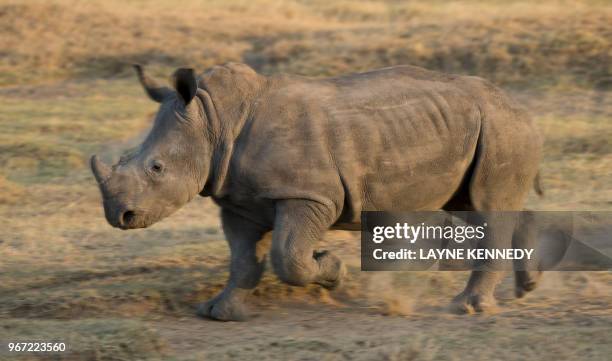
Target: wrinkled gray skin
(300,156)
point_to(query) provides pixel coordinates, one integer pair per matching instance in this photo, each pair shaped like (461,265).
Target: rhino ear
(154,90)
(186,84)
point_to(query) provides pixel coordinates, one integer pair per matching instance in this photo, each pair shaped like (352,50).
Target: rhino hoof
(334,270)
(473,303)
(521,290)
(337,282)
(222,310)
(526,282)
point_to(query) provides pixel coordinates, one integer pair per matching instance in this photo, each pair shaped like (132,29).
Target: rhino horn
(154,90)
(100,170)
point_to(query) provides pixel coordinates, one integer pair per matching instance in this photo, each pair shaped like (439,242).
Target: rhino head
(169,168)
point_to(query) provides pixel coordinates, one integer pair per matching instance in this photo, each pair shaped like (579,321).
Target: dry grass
(520,42)
(66,92)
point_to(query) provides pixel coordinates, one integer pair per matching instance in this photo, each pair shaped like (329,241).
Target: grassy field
(67,91)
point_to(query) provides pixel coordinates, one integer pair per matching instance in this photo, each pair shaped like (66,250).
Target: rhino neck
(228,99)
(220,147)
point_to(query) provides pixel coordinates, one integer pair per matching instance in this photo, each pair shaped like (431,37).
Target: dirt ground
(67,92)
(113,295)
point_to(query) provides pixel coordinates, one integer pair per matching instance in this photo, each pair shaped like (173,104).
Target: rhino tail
(537,185)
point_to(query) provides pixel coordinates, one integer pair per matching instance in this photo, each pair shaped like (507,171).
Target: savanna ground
(67,91)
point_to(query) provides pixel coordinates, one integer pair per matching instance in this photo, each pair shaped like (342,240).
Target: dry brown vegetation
(508,42)
(66,91)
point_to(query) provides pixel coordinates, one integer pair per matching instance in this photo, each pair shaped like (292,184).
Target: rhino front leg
(299,224)
(478,294)
(249,244)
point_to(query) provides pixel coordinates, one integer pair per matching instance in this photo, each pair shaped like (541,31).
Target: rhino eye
(157,167)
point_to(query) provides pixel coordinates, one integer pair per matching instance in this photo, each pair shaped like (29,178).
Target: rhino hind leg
(498,180)
(527,273)
(249,245)
(478,295)
(299,224)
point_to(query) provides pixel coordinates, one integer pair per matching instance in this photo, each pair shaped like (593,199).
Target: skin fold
(287,158)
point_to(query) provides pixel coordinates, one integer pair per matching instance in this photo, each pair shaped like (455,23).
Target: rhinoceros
(287,158)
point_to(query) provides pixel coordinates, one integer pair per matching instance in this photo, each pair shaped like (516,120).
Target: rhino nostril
(127,217)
